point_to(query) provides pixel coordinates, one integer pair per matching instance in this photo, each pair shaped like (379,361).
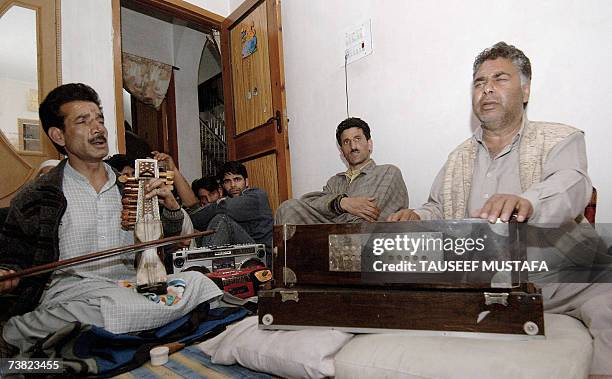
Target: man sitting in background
(122,164)
(365,192)
(46,166)
(243,215)
(207,189)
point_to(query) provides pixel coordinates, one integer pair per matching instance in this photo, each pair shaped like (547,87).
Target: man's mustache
(97,138)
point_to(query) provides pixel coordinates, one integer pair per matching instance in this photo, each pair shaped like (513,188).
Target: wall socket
(358,42)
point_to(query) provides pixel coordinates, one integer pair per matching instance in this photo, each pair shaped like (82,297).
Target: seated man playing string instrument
(73,210)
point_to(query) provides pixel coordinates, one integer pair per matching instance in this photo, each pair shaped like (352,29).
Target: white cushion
(565,353)
(292,354)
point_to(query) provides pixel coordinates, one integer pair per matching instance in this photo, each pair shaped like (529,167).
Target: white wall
(188,45)
(220,7)
(146,36)
(87,54)
(414,90)
(233,4)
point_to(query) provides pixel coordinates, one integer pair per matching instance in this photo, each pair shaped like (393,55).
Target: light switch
(358,42)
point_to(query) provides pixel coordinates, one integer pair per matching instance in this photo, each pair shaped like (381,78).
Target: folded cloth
(91,350)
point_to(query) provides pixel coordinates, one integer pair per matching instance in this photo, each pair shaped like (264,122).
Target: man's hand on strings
(164,193)
(7,285)
(504,206)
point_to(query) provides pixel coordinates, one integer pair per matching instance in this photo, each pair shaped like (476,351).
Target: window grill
(214,144)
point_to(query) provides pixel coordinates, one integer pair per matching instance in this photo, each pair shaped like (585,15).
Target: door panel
(19,168)
(157,126)
(255,97)
(146,121)
(252,89)
(262,174)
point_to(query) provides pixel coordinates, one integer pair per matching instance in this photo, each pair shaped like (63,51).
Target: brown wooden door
(254,91)
(20,160)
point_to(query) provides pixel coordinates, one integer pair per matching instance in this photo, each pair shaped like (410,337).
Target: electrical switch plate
(358,42)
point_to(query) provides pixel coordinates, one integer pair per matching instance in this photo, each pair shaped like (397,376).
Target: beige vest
(537,140)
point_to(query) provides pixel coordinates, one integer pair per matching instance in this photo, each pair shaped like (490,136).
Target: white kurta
(90,293)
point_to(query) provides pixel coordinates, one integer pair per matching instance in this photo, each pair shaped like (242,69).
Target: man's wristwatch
(335,204)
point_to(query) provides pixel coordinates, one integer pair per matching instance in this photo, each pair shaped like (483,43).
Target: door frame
(166,10)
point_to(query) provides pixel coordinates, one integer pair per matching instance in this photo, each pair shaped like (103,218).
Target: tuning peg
(127,179)
(167,175)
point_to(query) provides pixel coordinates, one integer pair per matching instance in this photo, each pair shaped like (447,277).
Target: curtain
(146,79)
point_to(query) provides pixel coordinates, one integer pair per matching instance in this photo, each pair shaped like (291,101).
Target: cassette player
(215,258)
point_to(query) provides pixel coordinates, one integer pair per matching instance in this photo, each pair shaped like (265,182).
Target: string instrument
(91,257)
(142,215)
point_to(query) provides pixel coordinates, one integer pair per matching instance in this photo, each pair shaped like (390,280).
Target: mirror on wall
(29,69)
(19,79)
